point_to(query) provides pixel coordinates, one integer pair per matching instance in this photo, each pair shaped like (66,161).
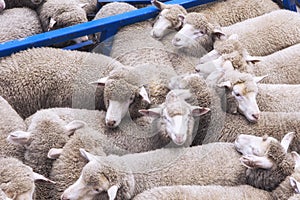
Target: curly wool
(114,8)
(16,178)
(270,179)
(173,12)
(22,26)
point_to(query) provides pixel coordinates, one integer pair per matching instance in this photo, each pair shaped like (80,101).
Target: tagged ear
(100,82)
(54,153)
(153,112)
(295,185)
(159,5)
(88,156)
(112,192)
(73,126)
(286,140)
(19,137)
(254,162)
(218,33)
(259,78)
(37,176)
(198,111)
(144,94)
(52,22)
(252,59)
(225,84)
(296,158)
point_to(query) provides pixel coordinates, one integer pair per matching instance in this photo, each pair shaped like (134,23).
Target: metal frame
(107,26)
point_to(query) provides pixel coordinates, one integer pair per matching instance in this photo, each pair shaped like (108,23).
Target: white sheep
(35,85)
(45,131)
(33,4)
(17,179)
(16,26)
(179,118)
(287,190)
(280,66)
(124,89)
(224,12)
(132,44)
(126,176)
(56,14)
(2,5)
(198,32)
(10,121)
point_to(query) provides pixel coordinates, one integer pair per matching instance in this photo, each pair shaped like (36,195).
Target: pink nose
(255,116)
(111,123)
(64,198)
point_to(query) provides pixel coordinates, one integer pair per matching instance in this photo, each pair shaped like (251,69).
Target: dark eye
(131,98)
(97,190)
(237,94)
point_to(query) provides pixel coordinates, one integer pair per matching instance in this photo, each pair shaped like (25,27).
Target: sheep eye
(97,190)
(131,98)
(237,94)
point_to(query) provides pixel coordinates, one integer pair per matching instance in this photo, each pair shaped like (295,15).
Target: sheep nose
(64,198)
(111,123)
(255,116)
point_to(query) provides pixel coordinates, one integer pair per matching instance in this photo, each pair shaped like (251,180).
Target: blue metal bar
(68,33)
(290,4)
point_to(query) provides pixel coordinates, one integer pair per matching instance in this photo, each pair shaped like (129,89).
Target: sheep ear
(225,84)
(153,112)
(295,185)
(218,33)
(52,22)
(159,5)
(252,59)
(54,153)
(73,126)
(112,192)
(286,140)
(296,158)
(234,37)
(19,137)
(259,78)
(181,17)
(37,176)
(100,82)
(144,94)
(198,111)
(254,162)
(87,155)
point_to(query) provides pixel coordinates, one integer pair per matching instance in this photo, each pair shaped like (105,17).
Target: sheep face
(253,145)
(167,19)
(196,30)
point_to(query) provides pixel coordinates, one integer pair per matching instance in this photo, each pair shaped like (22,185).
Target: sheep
(224,12)
(275,124)
(23,25)
(28,83)
(45,131)
(10,121)
(124,87)
(198,33)
(138,47)
(295,196)
(55,14)
(33,4)
(17,179)
(2,5)
(179,117)
(229,53)
(286,189)
(126,176)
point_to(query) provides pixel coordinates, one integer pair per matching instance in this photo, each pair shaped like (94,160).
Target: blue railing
(107,26)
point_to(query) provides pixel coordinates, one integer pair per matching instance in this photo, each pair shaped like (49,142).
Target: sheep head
(119,95)
(177,116)
(98,176)
(197,30)
(241,90)
(167,19)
